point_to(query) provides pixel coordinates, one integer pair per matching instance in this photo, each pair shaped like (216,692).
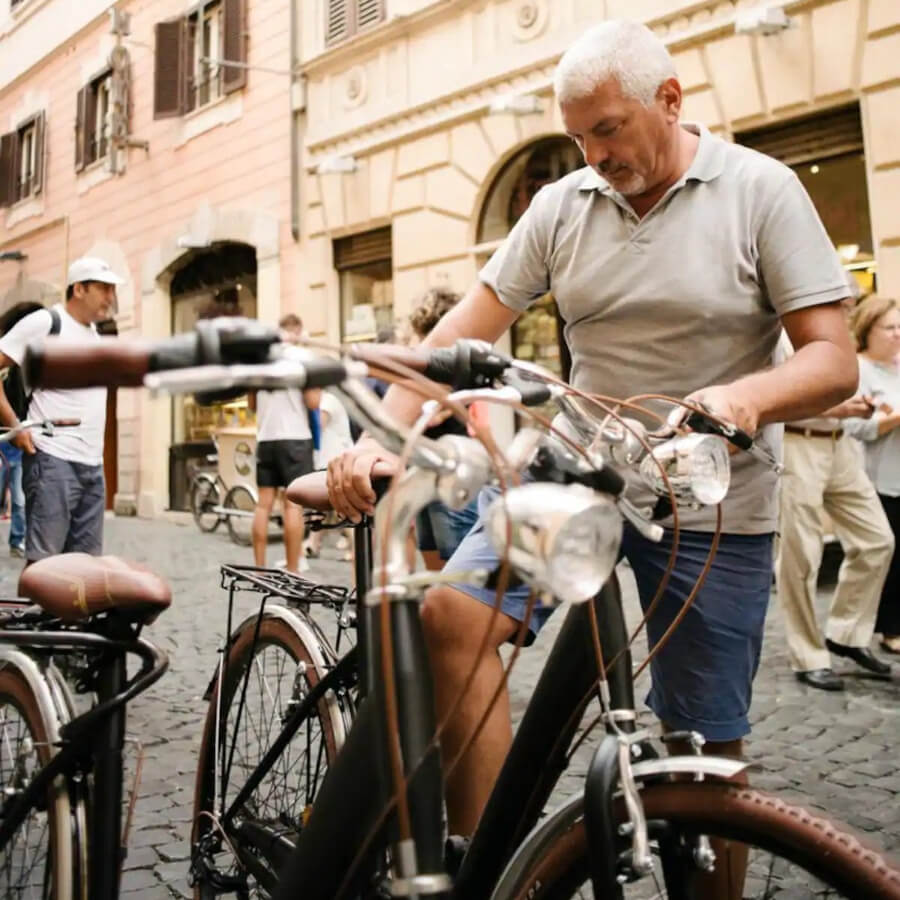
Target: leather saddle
(76,586)
(311,491)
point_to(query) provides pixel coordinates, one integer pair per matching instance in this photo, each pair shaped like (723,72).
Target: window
(205,37)
(93,121)
(344,18)
(21,161)
(189,53)
(367,287)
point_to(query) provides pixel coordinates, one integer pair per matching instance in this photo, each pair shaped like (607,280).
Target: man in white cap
(65,494)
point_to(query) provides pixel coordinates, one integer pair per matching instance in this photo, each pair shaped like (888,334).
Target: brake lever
(702,424)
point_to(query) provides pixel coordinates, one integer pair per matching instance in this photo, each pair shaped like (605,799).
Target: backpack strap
(55,322)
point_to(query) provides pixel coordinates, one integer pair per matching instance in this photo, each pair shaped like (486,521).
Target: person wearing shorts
(675,259)
(62,474)
(284,451)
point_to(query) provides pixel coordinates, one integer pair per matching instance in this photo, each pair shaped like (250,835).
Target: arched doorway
(218,280)
(536,336)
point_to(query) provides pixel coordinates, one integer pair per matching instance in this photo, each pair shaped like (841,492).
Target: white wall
(37,28)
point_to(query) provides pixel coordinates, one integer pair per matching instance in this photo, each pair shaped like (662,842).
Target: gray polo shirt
(687,297)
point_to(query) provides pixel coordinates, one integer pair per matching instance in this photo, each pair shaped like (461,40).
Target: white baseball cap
(91,268)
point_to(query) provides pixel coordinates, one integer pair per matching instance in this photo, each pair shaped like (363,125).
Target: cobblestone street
(833,751)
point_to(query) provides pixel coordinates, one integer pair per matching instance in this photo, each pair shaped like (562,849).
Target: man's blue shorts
(702,679)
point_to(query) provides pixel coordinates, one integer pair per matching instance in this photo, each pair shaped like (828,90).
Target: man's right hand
(350,479)
(25,442)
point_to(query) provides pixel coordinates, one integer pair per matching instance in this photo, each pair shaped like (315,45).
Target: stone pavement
(837,752)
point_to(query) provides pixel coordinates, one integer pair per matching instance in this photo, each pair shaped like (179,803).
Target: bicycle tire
(282,789)
(241,499)
(18,704)
(821,849)
(205,495)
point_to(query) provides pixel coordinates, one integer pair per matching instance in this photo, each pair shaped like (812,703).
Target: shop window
(21,161)
(218,281)
(193,55)
(344,18)
(826,152)
(536,334)
(364,264)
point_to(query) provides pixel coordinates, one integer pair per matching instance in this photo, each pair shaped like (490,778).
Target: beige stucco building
(426,135)
(363,150)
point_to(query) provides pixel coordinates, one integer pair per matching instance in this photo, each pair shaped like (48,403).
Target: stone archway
(151,425)
(536,335)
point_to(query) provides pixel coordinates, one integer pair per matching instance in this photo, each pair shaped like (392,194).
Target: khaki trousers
(826,475)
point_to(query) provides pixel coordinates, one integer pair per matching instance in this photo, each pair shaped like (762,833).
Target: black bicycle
(61,833)
(643,824)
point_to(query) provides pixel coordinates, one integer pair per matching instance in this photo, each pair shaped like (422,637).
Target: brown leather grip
(112,362)
(376,356)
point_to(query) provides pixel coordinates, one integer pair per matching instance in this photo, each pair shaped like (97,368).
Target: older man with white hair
(675,259)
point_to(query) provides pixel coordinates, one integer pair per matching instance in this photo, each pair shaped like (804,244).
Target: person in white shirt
(65,494)
(284,451)
(335,438)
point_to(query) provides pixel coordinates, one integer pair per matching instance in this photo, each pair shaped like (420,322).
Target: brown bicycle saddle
(311,491)
(76,586)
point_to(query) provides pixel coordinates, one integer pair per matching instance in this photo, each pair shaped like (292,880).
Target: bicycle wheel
(205,497)
(239,506)
(792,853)
(39,860)
(284,664)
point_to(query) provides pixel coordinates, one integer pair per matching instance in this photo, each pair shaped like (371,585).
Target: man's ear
(669,95)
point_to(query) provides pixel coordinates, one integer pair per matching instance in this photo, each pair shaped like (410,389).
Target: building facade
(336,157)
(427,133)
(123,135)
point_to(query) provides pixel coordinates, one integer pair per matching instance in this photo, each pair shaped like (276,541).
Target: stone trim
(680,29)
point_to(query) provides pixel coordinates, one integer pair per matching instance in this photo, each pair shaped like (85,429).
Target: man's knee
(455,621)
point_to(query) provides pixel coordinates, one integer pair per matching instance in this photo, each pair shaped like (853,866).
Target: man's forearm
(818,376)
(7,416)
(478,315)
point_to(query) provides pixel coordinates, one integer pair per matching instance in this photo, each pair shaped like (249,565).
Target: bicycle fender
(600,818)
(564,817)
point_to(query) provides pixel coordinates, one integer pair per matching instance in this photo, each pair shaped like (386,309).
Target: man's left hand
(729,402)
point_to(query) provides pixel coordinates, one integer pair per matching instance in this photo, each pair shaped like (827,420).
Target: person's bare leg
(726,881)
(260,531)
(455,625)
(292,516)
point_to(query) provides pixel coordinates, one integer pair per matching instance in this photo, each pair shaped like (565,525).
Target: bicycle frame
(92,742)
(330,840)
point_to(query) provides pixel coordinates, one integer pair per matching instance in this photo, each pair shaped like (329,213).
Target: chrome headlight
(698,467)
(563,539)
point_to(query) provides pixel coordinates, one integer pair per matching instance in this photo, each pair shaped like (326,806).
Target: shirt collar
(708,162)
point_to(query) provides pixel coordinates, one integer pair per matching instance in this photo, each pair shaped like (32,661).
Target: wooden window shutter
(90,125)
(7,169)
(368,13)
(40,129)
(337,20)
(170,75)
(834,132)
(366,247)
(80,128)
(234,44)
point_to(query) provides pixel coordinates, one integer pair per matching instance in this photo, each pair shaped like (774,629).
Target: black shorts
(278,463)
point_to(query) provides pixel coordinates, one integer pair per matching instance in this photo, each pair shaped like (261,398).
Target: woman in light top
(876,325)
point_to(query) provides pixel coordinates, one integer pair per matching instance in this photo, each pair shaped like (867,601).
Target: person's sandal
(891,644)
